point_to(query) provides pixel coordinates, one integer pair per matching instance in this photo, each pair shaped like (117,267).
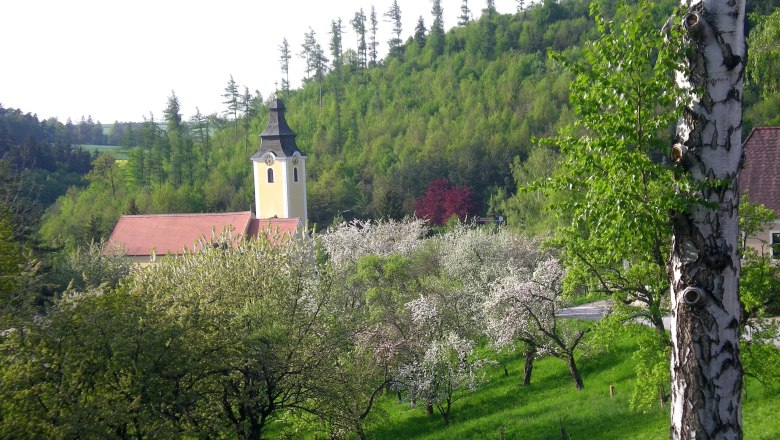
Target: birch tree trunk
(705,366)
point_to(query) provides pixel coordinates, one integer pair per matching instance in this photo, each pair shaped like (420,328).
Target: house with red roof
(279,170)
(759,181)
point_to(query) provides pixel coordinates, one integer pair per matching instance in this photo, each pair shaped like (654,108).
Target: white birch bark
(705,366)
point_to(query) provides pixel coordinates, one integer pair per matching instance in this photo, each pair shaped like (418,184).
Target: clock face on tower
(269,160)
(295,160)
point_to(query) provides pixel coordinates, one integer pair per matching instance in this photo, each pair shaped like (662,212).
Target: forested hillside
(464,107)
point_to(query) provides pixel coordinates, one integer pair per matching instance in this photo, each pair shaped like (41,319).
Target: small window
(270,175)
(295,174)
(774,242)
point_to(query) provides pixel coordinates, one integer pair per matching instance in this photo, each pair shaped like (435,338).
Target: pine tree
(175,134)
(465,14)
(231,96)
(359,25)
(394,17)
(419,32)
(436,36)
(373,44)
(338,64)
(201,125)
(246,109)
(284,60)
(307,51)
(490,8)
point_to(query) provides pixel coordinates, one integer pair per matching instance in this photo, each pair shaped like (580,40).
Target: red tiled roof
(760,176)
(274,226)
(171,233)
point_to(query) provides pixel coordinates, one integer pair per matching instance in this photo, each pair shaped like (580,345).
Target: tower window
(295,174)
(270,175)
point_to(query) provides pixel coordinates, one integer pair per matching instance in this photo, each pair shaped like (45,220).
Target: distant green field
(119,152)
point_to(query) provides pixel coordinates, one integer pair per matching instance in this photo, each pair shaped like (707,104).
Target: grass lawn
(538,411)
(119,152)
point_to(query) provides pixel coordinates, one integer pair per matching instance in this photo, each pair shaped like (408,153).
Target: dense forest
(460,109)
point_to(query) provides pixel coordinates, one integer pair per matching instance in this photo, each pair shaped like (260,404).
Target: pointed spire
(277,137)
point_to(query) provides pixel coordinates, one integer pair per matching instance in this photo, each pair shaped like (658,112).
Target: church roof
(277,137)
(760,175)
(274,226)
(140,235)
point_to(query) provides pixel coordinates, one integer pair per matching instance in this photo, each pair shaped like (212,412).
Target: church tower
(279,170)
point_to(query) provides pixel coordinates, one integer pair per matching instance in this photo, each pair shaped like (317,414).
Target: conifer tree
(246,109)
(465,14)
(338,64)
(231,96)
(284,60)
(419,32)
(394,17)
(373,44)
(359,25)
(307,52)
(175,134)
(436,36)
(201,125)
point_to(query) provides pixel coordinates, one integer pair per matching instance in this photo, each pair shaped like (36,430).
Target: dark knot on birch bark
(693,25)
(678,151)
(693,296)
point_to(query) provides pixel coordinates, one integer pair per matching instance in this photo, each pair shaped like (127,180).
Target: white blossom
(349,241)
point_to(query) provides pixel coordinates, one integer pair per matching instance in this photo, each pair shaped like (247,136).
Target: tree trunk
(575,373)
(705,366)
(530,354)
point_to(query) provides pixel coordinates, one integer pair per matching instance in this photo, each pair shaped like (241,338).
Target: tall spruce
(436,35)
(316,62)
(394,17)
(201,129)
(420,32)
(246,109)
(284,62)
(705,265)
(232,97)
(359,25)
(307,52)
(175,134)
(373,43)
(336,51)
(465,14)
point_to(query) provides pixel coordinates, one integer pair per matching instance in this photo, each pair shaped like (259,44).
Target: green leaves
(613,182)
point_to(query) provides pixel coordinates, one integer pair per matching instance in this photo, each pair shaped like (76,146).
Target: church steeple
(277,136)
(279,170)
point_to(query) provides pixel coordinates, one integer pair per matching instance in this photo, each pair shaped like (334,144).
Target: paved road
(597,310)
(594,310)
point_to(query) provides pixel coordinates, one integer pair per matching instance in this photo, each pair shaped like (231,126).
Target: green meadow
(119,152)
(551,405)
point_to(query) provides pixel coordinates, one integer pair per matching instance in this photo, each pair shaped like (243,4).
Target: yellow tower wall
(269,197)
(284,198)
(296,191)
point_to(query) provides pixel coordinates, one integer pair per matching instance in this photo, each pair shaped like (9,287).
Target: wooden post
(612,391)
(501,433)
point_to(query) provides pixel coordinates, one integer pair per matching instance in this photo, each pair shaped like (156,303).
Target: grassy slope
(119,152)
(536,412)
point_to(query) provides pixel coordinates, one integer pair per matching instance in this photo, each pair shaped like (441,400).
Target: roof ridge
(188,214)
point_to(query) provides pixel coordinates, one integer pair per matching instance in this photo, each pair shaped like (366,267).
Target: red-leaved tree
(441,201)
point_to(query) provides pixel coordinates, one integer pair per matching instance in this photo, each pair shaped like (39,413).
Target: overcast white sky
(119,60)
